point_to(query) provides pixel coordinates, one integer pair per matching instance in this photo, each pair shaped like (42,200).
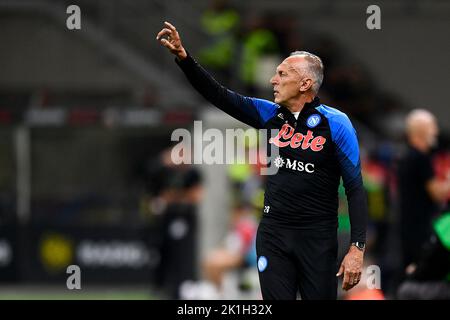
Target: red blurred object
(441,165)
(5,117)
(83,117)
(177,117)
(366,294)
(375,171)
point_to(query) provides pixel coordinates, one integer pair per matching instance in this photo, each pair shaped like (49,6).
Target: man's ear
(305,85)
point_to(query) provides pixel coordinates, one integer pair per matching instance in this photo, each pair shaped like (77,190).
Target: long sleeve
(344,136)
(252,111)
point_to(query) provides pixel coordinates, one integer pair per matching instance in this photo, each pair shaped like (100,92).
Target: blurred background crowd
(86,118)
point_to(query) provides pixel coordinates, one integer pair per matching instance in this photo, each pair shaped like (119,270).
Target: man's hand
(351,267)
(172,41)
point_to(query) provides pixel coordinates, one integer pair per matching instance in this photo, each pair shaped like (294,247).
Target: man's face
(426,130)
(286,83)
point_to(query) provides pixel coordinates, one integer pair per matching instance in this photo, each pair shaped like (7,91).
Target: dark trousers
(292,261)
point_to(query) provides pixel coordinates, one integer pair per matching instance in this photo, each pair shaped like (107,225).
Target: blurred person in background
(180,232)
(236,250)
(428,277)
(228,268)
(221,23)
(297,237)
(176,194)
(420,192)
(159,174)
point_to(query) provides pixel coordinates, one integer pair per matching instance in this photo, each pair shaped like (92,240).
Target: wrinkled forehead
(295,63)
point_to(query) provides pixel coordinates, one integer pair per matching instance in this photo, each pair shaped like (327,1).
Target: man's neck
(298,104)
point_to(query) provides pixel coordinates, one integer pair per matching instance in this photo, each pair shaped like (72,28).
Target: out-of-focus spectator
(180,232)
(176,191)
(221,23)
(419,190)
(375,176)
(429,276)
(236,248)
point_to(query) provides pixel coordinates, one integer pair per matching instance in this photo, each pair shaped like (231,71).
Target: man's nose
(273,81)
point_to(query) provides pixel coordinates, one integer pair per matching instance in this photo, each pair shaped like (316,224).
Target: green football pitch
(58,293)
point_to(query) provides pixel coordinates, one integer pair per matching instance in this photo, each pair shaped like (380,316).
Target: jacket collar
(308,106)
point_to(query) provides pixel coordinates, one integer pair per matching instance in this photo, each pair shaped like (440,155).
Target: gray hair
(314,68)
(418,118)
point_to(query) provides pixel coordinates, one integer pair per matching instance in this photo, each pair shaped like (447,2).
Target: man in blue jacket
(297,237)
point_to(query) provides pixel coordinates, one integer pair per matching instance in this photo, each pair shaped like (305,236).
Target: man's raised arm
(252,111)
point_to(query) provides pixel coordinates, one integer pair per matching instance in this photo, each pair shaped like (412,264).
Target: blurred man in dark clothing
(176,191)
(429,276)
(419,190)
(180,231)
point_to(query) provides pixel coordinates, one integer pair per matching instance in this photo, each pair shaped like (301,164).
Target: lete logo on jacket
(296,140)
